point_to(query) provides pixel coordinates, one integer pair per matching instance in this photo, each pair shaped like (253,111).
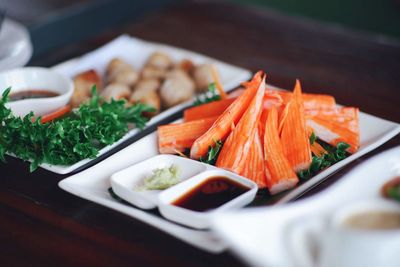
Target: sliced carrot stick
(180,136)
(218,84)
(279,173)
(56,114)
(294,138)
(222,126)
(207,110)
(332,132)
(317,149)
(241,150)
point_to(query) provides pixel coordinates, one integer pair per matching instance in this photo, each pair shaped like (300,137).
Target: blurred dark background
(54,23)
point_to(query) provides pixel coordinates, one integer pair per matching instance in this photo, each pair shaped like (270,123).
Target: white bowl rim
(65,91)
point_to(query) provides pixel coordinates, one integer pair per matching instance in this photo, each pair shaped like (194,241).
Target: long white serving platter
(93,183)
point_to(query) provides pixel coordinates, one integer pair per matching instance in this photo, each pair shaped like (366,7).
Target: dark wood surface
(40,224)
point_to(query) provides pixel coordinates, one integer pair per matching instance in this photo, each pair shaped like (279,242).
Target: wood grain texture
(42,225)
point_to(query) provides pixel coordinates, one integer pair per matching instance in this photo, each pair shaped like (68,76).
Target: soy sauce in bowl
(32,93)
(211,194)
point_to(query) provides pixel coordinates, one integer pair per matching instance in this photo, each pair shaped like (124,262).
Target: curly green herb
(313,137)
(212,153)
(335,154)
(68,140)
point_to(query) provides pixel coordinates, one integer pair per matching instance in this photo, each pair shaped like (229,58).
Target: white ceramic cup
(329,242)
(36,78)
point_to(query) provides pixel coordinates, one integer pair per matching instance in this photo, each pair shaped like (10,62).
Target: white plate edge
(179,232)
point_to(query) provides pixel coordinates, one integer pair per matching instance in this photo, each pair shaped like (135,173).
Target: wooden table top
(44,225)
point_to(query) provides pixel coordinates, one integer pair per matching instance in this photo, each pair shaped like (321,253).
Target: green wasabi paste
(162,178)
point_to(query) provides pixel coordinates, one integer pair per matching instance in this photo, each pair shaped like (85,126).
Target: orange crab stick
(272,99)
(223,125)
(278,171)
(294,137)
(208,110)
(332,132)
(241,151)
(347,117)
(253,167)
(311,101)
(275,97)
(180,136)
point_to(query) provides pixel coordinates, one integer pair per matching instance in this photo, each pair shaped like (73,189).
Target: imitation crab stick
(332,132)
(279,173)
(347,117)
(180,136)
(294,137)
(223,125)
(242,151)
(272,99)
(311,101)
(208,110)
(261,124)
(253,167)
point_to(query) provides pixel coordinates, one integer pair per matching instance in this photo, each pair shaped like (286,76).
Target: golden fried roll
(127,77)
(149,72)
(119,71)
(83,83)
(116,91)
(149,97)
(202,77)
(117,65)
(159,60)
(177,88)
(148,85)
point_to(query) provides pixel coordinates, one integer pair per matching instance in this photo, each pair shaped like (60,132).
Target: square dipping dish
(194,201)
(127,183)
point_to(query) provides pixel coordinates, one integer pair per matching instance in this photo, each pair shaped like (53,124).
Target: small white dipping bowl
(202,219)
(36,78)
(126,183)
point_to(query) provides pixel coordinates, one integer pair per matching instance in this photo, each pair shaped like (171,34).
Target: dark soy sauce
(210,194)
(28,94)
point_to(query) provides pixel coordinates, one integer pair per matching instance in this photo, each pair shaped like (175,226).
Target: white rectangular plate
(136,52)
(93,183)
